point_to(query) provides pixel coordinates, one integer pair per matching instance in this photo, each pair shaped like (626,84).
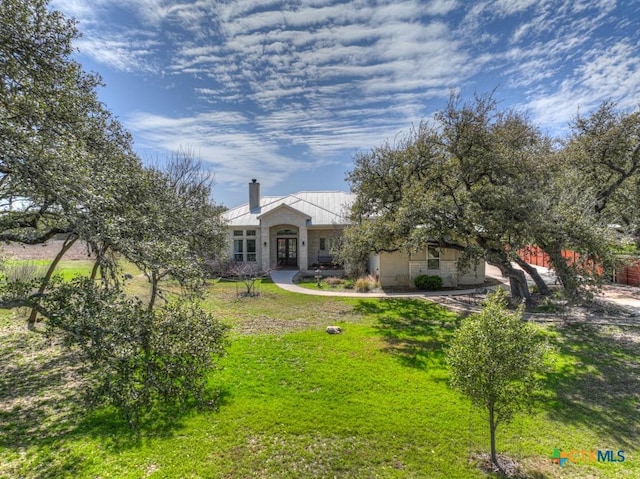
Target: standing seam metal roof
(324,208)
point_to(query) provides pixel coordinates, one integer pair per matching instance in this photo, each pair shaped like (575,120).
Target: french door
(287,251)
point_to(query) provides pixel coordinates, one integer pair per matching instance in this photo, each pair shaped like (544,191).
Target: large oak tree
(67,168)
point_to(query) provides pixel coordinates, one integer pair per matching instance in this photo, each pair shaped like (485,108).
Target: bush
(140,361)
(428,282)
(333,281)
(366,284)
(362,285)
(24,271)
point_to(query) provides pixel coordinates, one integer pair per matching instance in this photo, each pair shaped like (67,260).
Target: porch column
(265,250)
(303,244)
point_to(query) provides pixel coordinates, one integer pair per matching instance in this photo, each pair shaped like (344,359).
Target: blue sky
(288,91)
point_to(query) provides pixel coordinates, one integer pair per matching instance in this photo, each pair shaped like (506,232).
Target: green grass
(296,402)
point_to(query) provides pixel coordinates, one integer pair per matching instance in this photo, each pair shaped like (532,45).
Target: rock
(334,330)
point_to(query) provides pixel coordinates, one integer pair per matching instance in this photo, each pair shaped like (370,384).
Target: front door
(287,252)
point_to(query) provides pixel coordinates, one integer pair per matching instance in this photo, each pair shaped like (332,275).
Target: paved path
(284,279)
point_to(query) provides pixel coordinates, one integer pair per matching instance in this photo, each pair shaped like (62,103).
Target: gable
(283,209)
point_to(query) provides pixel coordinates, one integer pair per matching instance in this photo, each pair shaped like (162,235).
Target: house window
(251,250)
(237,232)
(287,232)
(238,250)
(328,244)
(251,232)
(433,257)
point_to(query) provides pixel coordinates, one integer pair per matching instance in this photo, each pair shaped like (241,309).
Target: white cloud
(118,54)
(330,77)
(441,7)
(605,74)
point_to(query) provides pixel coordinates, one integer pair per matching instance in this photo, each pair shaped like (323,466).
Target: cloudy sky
(287,91)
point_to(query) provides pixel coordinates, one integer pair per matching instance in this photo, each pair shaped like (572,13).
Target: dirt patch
(510,467)
(48,250)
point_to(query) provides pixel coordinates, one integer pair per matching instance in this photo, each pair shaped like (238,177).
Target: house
(300,231)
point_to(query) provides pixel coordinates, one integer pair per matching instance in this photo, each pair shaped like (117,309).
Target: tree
(248,274)
(56,139)
(67,167)
(470,180)
(139,359)
(597,172)
(494,359)
(487,182)
(172,225)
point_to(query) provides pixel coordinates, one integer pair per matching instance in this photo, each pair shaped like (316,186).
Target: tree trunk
(68,243)
(154,290)
(94,270)
(535,276)
(492,433)
(517,280)
(565,274)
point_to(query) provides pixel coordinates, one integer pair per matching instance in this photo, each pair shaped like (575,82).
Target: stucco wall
(394,269)
(398,269)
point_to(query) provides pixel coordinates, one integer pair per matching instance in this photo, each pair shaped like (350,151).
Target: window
(328,244)
(287,232)
(237,232)
(251,232)
(238,251)
(251,250)
(433,257)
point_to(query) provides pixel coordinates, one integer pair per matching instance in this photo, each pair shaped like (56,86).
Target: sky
(288,92)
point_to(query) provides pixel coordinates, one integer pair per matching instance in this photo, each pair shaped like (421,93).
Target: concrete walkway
(284,280)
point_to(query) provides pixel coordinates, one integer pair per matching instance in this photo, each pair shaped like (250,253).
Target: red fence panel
(628,274)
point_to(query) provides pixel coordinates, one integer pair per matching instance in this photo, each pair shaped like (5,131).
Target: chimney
(254,195)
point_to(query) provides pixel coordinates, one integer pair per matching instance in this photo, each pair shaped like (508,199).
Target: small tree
(494,359)
(249,274)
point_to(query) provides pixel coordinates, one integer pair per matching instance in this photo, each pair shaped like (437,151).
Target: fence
(628,273)
(534,255)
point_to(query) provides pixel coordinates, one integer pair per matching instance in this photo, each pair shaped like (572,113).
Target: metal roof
(325,208)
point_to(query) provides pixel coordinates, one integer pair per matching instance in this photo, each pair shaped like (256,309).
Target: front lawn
(295,402)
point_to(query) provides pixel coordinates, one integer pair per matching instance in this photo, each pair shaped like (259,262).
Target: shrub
(428,282)
(366,283)
(24,271)
(362,285)
(333,281)
(140,361)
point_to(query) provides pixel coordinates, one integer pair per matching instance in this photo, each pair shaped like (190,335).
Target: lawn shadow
(117,434)
(42,408)
(599,386)
(414,330)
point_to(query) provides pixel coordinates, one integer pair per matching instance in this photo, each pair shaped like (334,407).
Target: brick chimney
(254,195)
